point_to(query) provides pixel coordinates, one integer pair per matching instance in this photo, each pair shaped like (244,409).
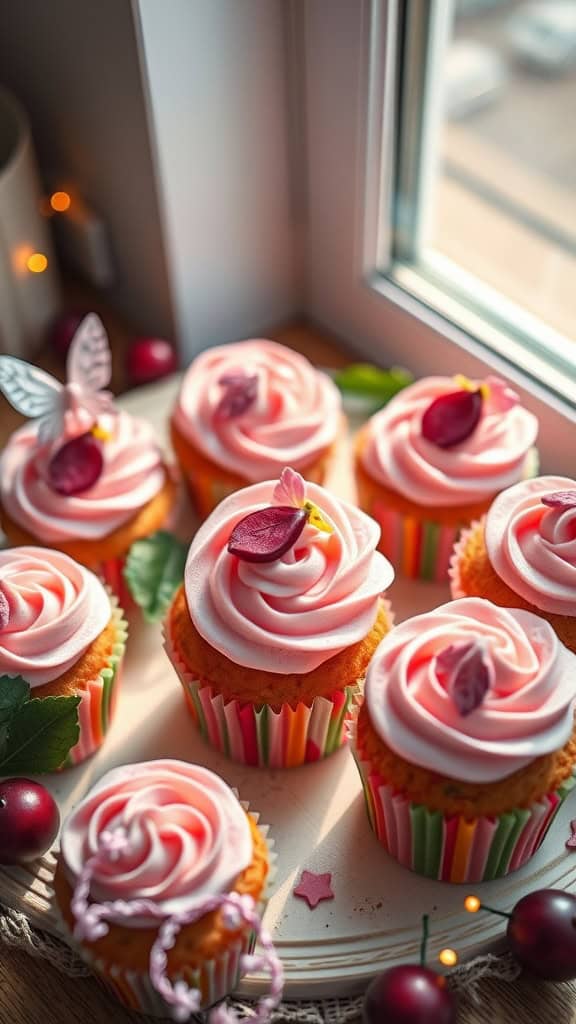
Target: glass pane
(502,205)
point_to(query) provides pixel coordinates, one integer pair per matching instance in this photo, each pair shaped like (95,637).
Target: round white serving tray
(318,822)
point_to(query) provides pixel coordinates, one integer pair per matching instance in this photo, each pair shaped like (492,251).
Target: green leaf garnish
(154,570)
(41,734)
(372,382)
(14,691)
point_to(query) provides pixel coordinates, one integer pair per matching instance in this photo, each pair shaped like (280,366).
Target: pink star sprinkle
(571,843)
(314,888)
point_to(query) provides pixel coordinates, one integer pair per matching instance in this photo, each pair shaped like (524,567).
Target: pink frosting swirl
(493,457)
(188,837)
(533,547)
(528,709)
(295,416)
(294,613)
(55,609)
(133,474)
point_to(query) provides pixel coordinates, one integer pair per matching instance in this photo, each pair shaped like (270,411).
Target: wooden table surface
(34,992)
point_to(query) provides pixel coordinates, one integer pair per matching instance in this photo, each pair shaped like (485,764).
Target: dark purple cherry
(76,466)
(409,994)
(240,392)
(542,934)
(266,535)
(452,418)
(462,669)
(560,499)
(29,820)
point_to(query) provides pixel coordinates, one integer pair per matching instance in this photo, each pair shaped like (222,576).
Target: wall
(216,74)
(74,64)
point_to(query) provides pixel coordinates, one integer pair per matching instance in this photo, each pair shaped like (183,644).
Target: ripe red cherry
(409,994)
(63,329)
(150,359)
(76,466)
(29,820)
(542,934)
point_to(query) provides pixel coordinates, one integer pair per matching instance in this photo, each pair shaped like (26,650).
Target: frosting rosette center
(526,705)
(53,608)
(186,835)
(532,545)
(290,614)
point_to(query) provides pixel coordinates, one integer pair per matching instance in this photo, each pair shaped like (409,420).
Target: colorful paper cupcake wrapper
(216,977)
(98,697)
(454,564)
(262,736)
(454,848)
(418,548)
(111,571)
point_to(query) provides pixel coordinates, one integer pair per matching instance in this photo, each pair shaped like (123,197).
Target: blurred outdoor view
(505,202)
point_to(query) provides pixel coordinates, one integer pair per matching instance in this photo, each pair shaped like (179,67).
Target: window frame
(350,96)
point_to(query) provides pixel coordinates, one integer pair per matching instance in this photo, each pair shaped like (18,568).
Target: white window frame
(349,63)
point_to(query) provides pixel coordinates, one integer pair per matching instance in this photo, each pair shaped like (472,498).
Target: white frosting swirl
(295,417)
(398,456)
(188,836)
(56,609)
(528,710)
(533,547)
(293,613)
(133,474)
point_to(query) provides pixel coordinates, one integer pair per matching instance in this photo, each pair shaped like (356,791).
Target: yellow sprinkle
(485,391)
(464,382)
(316,519)
(101,434)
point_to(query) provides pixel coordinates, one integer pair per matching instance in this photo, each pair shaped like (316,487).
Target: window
(481,196)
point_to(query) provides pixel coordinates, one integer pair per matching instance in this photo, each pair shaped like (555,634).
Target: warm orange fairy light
(37,263)
(60,201)
(472,904)
(448,957)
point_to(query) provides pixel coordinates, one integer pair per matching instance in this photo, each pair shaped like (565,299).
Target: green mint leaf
(154,570)
(14,691)
(40,736)
(372,381)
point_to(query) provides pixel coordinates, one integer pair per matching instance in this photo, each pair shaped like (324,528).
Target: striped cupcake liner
(261,735)
(98,697)
(456,589)
(111,571)
(215,978)
(455,848)
(418,548)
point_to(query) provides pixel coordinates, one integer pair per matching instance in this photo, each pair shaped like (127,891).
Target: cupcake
(162,880)
(84,477)
(465,741)
(432,461)
(62,633)
(523,553)
(280,612)
(247,410)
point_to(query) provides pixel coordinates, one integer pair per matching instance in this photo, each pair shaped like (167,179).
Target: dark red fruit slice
(76,466)
(266,535)
(4,611)
(461,668)
(239,394)
(451,419)
(560,499)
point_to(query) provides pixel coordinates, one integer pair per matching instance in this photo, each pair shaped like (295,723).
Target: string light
(472,904)
(60,201)
(448,957)
(37,263)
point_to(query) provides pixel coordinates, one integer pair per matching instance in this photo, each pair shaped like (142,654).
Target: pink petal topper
(452,418)
(464,673)
(4,611)
(290,489)
(267,534)
(240,392)
(560,499)
(76,466)
(501,397)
